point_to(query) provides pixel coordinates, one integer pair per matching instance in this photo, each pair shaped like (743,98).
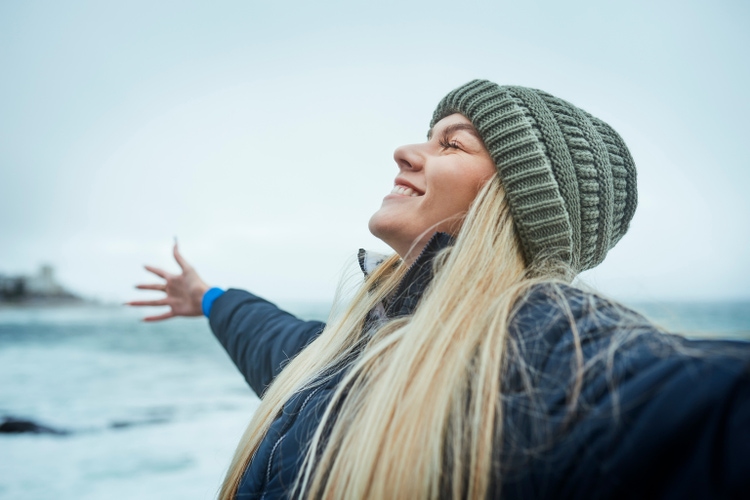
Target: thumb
(179,258)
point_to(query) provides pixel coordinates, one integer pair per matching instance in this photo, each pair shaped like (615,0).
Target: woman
(467,366)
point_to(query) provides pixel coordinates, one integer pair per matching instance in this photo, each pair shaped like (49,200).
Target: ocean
(154,411)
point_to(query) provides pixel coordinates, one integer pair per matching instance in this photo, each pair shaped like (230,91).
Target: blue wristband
(208,300)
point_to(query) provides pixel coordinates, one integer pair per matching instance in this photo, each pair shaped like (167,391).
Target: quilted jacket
(658,416)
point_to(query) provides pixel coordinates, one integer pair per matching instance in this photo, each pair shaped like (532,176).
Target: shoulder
(554,320)
(552,305)
(556,323)
(557,311)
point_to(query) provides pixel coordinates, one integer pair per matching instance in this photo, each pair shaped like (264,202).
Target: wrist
(196,295)
(208,299)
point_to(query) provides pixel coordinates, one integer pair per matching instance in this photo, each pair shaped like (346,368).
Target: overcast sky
(261,133)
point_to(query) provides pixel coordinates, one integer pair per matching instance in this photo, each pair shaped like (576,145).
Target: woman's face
(436,183)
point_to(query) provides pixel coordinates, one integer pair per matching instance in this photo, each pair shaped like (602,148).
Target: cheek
(476,178)
(459,192)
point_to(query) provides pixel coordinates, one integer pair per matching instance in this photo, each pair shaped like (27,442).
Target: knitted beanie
(568,176)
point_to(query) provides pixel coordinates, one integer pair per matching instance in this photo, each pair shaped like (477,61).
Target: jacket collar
(404,300)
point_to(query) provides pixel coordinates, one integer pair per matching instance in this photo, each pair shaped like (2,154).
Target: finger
(158,272)
(179,258)
(160,287)
(160,317)
(159,302)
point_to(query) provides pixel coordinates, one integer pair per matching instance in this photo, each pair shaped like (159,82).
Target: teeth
(403,190)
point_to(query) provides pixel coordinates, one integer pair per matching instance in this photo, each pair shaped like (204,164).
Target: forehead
(452,123)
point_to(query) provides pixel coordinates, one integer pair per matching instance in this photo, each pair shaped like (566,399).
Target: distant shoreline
(48,302)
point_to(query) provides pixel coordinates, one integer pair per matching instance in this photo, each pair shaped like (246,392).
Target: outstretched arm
(258,336)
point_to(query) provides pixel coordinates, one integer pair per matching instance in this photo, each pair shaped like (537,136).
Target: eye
(446,143)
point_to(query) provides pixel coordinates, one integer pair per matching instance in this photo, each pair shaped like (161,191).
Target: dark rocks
(11,425)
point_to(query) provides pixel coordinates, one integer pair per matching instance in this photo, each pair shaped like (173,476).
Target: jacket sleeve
(657,416)
(686,423)
(258,336)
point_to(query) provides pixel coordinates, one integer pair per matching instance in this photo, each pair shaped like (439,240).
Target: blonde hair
(419,411)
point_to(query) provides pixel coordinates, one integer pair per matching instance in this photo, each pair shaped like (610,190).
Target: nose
(409,157)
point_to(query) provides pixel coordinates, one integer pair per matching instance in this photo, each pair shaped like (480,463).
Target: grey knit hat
(569,178)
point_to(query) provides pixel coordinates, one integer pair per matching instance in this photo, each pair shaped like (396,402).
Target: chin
(375,226)
(386,229)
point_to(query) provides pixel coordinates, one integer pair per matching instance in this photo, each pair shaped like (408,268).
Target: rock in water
(11,425)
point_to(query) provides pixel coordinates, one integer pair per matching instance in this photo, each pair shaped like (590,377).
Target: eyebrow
(455,127)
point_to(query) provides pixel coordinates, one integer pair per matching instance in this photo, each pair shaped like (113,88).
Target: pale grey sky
(261,134)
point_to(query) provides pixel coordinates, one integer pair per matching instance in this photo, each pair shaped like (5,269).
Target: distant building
(44,282)
(41,287)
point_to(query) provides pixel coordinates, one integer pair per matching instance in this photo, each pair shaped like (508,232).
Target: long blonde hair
(418,413)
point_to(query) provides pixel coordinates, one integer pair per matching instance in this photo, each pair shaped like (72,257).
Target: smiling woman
(467,366)
(436,184)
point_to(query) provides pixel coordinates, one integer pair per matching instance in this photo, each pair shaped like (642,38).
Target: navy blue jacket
(652,421)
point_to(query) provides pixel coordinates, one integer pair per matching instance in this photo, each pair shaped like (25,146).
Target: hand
(184,291)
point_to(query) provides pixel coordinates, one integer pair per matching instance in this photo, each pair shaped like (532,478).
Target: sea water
(154,410)
(145,410)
